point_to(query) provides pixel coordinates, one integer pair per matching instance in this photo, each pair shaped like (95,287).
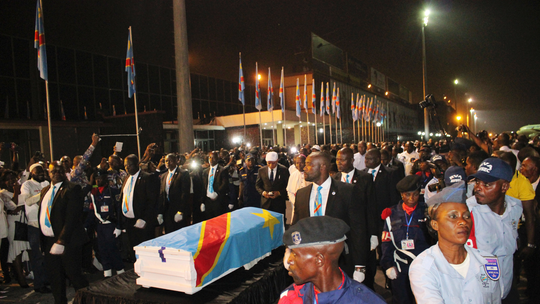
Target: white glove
(140,224)
(57,249)
(117,232)
(160,219)
(391,273)
(374,242)
(359,276)
(203,208)
(231,206)
(286,258)
(178,217)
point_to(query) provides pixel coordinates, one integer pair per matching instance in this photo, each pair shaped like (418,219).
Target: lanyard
(408,223)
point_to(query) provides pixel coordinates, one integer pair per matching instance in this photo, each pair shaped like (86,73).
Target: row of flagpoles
(368,113)
(39,44)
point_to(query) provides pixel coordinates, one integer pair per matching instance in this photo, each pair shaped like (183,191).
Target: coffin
(190,258)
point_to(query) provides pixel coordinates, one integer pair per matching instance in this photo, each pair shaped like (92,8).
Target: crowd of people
(446,221)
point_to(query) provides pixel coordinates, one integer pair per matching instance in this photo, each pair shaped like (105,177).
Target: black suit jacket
(364,182)
(145,197)
(221,183)
(346,203)
(66,215)
(280,184)
(386,194)
(178,198)
(398,165)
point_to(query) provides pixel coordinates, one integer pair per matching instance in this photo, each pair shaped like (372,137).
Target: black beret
(100,173)
(409,183)
(317,230)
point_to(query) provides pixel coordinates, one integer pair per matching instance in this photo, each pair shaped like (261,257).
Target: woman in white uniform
(449,271)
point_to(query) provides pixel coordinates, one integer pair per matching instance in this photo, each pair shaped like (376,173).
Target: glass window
(141,78)
(203,87)
(195,87)
(21,49)
(166,105)
(86,99)
(66,65)
(219,90)
(116,69)
(117,99)
(100,71)
(103,104)
(143,102)
(54,100)
(84,68)
(165,76)
(212,88)
(228,89)
(196,108)
(173,84)
(68,96)
(7,87)
(155,103)
(153,79)
(24,98)
(51,63)
(6,65)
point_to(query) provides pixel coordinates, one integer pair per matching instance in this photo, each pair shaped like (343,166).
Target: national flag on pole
(298,109)
(365,107)
(313,98)
(241,85)
(270,102)
(322,99)
(130,67)
(334,99)
(305,93)
(338,108)
(39,43)
(377,107)
(327,98)
(62,113)
(258,104)
(282,92)
(368,110)
(353,107)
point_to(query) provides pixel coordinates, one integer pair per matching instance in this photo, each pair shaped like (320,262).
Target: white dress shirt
(47,231)
(344,176)
(376,170)
(127,192)
(324,196)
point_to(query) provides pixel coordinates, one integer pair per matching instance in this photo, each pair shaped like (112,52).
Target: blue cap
(453,175)
(493,169)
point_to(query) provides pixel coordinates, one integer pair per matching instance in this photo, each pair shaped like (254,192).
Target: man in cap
(248,195)
(316,148)
(316,244)
(327,196)
(495,218)
(272,184)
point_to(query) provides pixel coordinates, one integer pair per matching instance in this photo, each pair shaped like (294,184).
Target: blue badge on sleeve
(492,268)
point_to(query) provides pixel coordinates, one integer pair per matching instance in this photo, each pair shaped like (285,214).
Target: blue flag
(298,109)
(39,43)
(338,108)
(305,93)
(130,67)
(258,104)
(241,85)
(327,98)
(313,98)
(282,92)
(270,102)
(322,99)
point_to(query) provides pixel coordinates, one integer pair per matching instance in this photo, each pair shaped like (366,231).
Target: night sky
(492,47)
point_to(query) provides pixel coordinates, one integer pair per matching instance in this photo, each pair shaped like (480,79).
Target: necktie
(372,173)
(49,205)
(317,211)
(125,207)
(211,182)
(272,176)
(169,183)
(347,180)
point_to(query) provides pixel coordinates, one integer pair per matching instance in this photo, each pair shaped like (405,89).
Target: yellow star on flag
(269,221)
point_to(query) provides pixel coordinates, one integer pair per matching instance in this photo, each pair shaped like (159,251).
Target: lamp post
(472,111)
(455,94)
(424,72)
(475,118)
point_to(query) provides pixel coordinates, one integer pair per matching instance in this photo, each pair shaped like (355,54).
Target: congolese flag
(39,43)
(225,242)
(130,67)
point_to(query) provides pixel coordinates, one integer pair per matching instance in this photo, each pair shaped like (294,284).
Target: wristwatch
(531,246)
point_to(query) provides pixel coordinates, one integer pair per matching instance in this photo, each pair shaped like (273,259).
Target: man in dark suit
(216,183)
(363,182)
(385,181)
(390,161)
(272,184)
(174,208)
(140,193)
(62,230)
(330,197)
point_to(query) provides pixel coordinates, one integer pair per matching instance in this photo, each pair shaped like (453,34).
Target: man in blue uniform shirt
(315,245)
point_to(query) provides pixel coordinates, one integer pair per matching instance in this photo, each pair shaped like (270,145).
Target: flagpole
(340,131)
(328,104)
(273,127)
(353,116)
(244,110)
(136,112)
(316,135)
(49,116)
(260,128)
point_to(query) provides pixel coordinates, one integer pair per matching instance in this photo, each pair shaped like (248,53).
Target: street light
(456,82)
(424,70)
(472,111)
(475,118)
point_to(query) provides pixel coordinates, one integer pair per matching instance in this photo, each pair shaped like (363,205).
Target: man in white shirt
(296,180)
(30,195)
(360,157)
(408,157)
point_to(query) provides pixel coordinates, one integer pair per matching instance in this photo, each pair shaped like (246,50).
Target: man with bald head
(272,184)
(316,244)
(327,196)
(360,156)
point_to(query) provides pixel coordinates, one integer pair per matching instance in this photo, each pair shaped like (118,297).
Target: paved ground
(15,294)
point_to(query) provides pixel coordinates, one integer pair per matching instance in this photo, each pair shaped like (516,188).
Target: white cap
(272,156)
(34,165)
(316,147)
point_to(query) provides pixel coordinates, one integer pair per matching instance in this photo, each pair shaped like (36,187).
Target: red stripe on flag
(215,234)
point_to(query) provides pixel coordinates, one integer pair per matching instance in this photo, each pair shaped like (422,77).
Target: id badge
(407,244)
(104,208)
